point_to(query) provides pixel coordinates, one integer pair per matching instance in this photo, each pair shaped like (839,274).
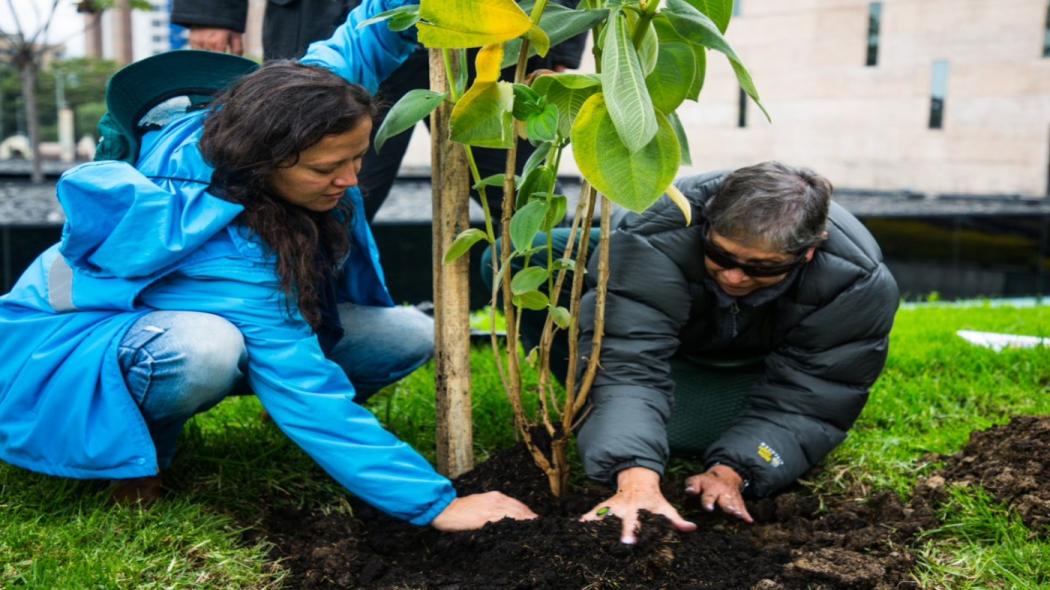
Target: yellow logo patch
(768,455)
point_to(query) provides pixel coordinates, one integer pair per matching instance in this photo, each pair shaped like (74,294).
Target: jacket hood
(132,222)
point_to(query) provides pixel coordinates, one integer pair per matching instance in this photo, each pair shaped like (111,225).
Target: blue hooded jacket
(151,237)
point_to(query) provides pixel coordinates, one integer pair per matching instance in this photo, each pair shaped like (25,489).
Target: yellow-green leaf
(487,63)
(539,40)
(484,117)
(683,204)
(470,23)
(634,180)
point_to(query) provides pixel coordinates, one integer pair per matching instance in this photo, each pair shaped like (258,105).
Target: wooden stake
(450,181)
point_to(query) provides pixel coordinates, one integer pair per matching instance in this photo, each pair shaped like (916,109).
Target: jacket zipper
(734,310)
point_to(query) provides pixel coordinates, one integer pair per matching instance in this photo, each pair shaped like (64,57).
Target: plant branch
(647,14)
(599,309)
(548,327)
(587,195)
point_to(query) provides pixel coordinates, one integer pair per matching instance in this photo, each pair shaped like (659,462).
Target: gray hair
(771,205)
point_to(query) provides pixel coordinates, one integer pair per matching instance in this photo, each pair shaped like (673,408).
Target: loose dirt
(1011,462)
(798,540)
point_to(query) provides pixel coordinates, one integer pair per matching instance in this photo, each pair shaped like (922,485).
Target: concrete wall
(867,127)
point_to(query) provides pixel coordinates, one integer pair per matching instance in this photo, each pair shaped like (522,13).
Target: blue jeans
(178,363)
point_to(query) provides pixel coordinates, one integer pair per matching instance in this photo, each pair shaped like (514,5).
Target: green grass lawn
(936,389)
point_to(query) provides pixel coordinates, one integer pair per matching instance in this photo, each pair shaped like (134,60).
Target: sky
(67,26)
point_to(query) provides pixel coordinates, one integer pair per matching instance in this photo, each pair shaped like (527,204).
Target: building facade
(930,96)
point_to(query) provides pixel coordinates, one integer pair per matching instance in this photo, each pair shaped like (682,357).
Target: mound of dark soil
(1012,462)
(797,541)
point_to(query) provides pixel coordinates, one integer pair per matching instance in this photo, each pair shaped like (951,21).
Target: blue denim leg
(382,345)
(177,364)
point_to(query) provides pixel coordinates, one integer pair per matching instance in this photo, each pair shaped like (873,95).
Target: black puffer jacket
(289,26)
(824,331)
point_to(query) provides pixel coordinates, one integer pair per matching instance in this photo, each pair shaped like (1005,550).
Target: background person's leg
(177,364)
(382,345)
(532,321)
(379,170)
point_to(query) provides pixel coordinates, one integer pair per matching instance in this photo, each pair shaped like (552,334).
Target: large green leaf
(699,71)
(701,30)
(634,180)
(683,141)
(526,223)
(411,109)
(668,34)
(623,85)
(719,11)
(483,116)
(567,92)
(560,23)
(470,23)
(671,81)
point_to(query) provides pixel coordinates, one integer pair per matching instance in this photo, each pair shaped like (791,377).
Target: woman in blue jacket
(235,248)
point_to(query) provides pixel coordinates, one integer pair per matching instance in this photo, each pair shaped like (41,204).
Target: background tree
(25,49)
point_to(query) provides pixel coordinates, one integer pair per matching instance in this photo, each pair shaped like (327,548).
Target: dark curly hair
(262,123)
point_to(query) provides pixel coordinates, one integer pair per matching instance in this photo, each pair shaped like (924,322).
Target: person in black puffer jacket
(769,267)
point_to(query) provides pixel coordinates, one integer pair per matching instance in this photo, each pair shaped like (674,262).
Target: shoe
(140,490)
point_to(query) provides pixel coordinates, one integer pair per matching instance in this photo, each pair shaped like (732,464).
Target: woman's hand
(474,511)
(720,485)
(637,488)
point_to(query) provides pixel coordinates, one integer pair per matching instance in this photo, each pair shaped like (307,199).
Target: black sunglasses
(726,260)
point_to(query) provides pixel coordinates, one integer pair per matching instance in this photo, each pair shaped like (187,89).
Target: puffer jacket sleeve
(816,384)
(364,56)
(647,305)
(219,14)
(308,396)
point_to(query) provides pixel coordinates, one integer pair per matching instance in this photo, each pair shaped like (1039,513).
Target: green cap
(139,87)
